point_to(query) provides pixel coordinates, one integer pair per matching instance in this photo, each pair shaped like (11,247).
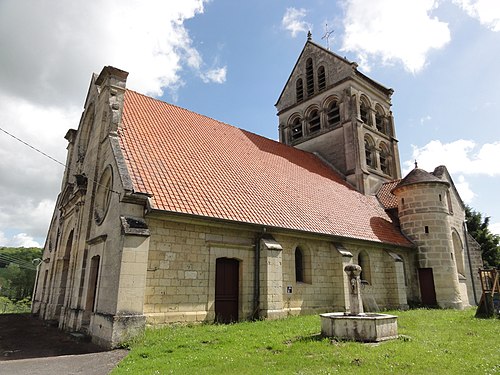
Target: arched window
(85,133)
(369,153)
(321,78)
(309,77)
(385,166)
(364,263)
(299,266)
(314,121)
(364,111)
(299,87)
(333,113)
(296,128)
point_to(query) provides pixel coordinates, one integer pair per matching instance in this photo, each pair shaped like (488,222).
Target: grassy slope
(435,341)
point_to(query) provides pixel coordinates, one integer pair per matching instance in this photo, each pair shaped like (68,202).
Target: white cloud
(487,12)
(393,31)
(460,157)
(24,240)
(293,21)
(425,119)
(464,189)
(45,70)
(495,228)
(18,240)
(217,75)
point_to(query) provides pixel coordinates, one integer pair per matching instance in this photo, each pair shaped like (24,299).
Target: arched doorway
(226,290)
(65,269)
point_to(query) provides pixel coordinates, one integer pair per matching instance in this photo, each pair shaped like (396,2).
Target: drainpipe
(256,277)
(470,264)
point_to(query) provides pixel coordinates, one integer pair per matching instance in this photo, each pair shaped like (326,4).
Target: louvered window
(299,90)
(321,78)
(296,129)
(314,121)
(369,154)
(363,112)
(379,122)
(333,114)
(384,160)
(309,77)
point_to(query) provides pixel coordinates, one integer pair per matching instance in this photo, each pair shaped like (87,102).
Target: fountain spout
(356,303)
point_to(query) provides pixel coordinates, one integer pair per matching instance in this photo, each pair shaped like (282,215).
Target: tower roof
(354,72)
(419,176)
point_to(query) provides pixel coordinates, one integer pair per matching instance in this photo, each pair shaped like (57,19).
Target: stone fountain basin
(369,327)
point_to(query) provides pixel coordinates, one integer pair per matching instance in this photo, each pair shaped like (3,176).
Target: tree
(17,271)
(490,243)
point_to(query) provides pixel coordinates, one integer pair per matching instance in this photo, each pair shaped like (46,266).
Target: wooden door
(427,290)
(226,290)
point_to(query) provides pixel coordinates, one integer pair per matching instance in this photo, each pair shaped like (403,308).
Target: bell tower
(329,108)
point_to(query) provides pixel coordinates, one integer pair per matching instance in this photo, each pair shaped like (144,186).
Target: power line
(13,258)
(32,147)
(52,158)
(20,262)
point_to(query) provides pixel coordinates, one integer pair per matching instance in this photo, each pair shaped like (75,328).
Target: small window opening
(426,229)
(379,122)
(321,78)
(333,114)
(314,121)
(309,77)
(299,266)
(384,160)
(402,201)
(440,198)
(296,129)
(363,112)
(450,206)
(370,160)
(299,90)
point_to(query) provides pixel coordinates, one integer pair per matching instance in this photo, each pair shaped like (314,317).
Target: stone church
(166,215)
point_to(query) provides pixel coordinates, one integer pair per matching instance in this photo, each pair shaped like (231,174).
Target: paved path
(31,346)
(84,364)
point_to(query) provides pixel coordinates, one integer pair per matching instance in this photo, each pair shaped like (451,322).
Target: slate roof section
(196,165)
(417,176)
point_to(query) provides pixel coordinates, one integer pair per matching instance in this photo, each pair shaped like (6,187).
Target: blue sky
(230,60)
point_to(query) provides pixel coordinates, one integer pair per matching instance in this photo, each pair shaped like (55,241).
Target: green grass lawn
(431,342)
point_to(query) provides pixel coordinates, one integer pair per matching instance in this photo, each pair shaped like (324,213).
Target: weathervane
(327,36)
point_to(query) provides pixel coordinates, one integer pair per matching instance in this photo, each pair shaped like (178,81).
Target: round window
(103,195)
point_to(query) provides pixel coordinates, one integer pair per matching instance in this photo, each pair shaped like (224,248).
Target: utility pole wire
(32,147)
(53,159)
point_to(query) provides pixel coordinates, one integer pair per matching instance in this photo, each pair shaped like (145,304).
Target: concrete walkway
(31,346)
(83,364)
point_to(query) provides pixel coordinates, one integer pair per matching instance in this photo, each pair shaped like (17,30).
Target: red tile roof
(193,164)
(385,195)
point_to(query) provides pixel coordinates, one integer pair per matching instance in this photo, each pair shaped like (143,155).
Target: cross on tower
(327,36)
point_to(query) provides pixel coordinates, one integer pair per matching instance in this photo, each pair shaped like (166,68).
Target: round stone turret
(424,218)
